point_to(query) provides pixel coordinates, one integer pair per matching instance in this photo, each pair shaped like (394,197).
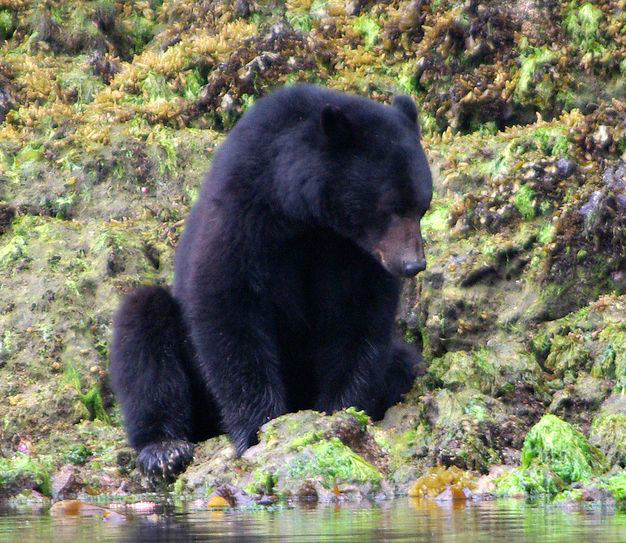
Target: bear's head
(380,185)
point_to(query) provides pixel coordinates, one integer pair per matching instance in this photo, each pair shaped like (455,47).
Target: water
(398,521)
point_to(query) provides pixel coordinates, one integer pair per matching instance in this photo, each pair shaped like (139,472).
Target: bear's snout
(401,249)
(410,269)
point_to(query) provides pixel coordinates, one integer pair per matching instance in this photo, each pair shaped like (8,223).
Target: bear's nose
(409,269)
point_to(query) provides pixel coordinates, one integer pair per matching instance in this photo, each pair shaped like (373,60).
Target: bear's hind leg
(151,376)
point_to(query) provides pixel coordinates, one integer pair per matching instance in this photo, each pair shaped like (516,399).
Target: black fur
(279,302)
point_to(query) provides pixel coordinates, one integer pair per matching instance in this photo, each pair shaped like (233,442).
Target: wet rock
(554,456)
(7,214)
(299,455)
(592,494)
(66,483)
(608,433)
(565,168)
(602,137)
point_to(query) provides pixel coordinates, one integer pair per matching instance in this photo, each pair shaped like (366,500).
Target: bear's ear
(407,106)
(335,124)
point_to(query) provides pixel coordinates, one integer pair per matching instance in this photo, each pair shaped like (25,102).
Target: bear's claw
(164,460)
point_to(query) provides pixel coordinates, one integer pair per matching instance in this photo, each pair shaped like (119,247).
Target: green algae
(616,485)
(369,29)
(436,220)
(78,455)
(463,369)
(568,357)
(525,202)
(21,468)
(608,433)
(91,400)
(80,86)
(554,443)
(7,24)
(611,362)
(552,141)
(263,483)
(335,463)
(583,24)
(532,61)
(554,456)
(535,480)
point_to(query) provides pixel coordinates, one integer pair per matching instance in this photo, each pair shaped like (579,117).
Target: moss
(583,25)
(21,467)
(608,433)
(554,443)
(611,362)
(616,484)
(79,85)
(436,219)
(535,480)
(263,483)
(335,463)
(568,356)
(531,61)
(78,455)
(7,24)
(524,202)
(368,28)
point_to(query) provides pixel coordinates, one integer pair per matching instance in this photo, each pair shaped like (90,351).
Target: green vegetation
(583,24)
(7,24)
(525,202)
(553,442)
(19,469)
(78,455)
(369,29)
(335,463)
(554,456)
(91,400)
(532,60)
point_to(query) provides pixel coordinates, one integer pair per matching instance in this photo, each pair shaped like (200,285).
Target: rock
(304,455)
(608,433)
(66,483)
(554,443)
(565,168)
(602,137)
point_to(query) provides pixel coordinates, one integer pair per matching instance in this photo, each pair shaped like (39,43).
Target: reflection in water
(398,521)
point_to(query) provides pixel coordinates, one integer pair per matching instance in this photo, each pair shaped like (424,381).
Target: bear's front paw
(164,460)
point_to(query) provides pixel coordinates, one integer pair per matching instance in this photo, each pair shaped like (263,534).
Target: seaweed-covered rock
(555,443)
(554,456)
(305,455)
(608,433)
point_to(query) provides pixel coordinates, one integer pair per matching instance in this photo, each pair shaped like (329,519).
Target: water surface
(398,521)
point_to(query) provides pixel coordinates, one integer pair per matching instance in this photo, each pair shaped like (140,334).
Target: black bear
(287,279)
